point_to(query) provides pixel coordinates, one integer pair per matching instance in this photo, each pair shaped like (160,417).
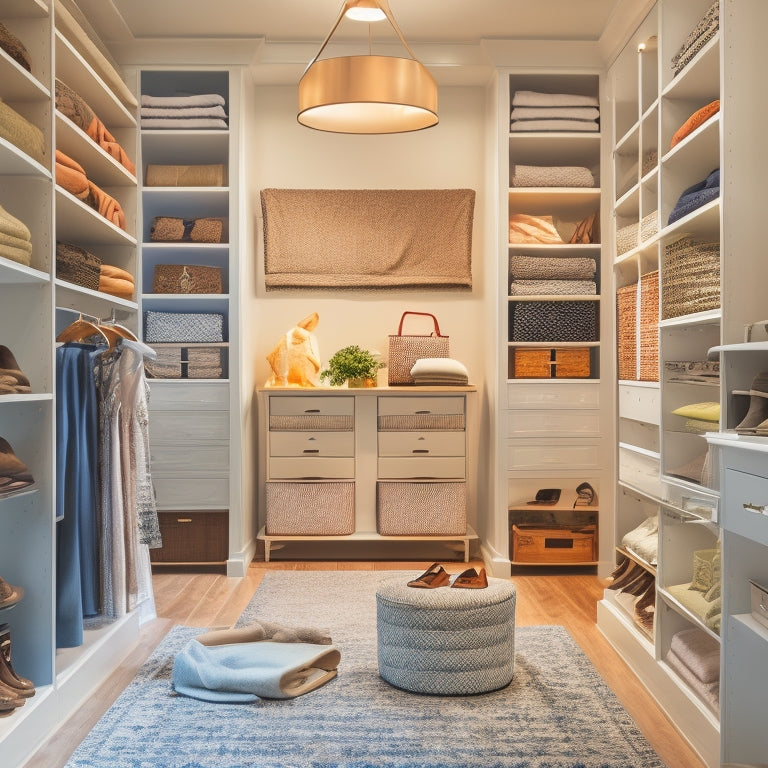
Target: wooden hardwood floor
(543,597)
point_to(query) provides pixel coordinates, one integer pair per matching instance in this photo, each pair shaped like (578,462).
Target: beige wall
(284,154)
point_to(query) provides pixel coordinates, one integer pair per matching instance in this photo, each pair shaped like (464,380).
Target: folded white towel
(538,113)
(554,125)
(536,99)
(195,100)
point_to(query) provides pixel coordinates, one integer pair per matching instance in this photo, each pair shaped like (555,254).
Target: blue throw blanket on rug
(697,195)
(246,672)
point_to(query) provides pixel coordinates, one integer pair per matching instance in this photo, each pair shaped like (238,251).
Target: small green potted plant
(353,365)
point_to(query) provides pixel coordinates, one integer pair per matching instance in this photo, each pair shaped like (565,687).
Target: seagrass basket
(690,277)
(626,331)
(649,326)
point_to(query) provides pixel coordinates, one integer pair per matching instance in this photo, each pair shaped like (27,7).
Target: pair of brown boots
(14,689)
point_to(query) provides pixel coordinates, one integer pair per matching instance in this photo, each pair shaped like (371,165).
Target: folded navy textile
(696,195)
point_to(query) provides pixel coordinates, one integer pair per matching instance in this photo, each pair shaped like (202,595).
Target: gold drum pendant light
(367,94)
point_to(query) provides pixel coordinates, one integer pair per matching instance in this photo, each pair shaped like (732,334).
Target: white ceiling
(309,20)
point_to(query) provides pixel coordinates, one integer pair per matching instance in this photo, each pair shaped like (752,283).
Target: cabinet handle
(754,507)
(420,450)
(424,411)
(311,410)
(311,450)
(183,519)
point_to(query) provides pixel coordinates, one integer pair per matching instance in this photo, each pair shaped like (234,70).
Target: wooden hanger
(82,329)
(121,330)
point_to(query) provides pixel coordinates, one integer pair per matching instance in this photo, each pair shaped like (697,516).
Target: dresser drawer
(555,423)
(553,395)
(193,537)
(410,405)
(284,405)
(639,403)
(184,427)
(191,492)
(421,444)
(561,454)
(422,467)
(189,395)
(208,459)
(746,505)
(311,467)
(311,443)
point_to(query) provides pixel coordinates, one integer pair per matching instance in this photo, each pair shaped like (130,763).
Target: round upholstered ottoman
(446,641)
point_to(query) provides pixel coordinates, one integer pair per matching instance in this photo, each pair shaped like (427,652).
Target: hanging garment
(77,576)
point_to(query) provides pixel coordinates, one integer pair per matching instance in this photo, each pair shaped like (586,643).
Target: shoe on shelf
(435,576)
(9,595)
(9,677)
(12,380)
(758,405)
(471,579)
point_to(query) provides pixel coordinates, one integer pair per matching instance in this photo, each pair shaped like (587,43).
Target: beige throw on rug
(365,238)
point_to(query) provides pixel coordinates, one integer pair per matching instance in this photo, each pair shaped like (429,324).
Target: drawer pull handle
(183,519)
(311,410)
(754,507)
(420,450)
(311,450)
(426,410)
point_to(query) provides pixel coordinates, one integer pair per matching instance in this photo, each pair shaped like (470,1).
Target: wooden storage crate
(538,545)
(551,362)
(192,538)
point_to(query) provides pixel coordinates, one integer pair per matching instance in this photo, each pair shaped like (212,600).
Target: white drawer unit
(385,446)
(554,423)
(553,454)
(553,395)
(175,492)
(182,427)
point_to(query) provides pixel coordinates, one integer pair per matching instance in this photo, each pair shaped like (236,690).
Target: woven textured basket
(649,327)
(310,509)
(311,423)
(690,277)
(186,278)
(422,422)
(184,176)
(183,327)
(169,229)
(649,226)
(626,331)
(405,350)
(76,265)
(421,509)
(553,321)
(559,363)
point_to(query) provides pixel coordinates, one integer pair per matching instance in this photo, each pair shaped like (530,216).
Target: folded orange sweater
(694,121)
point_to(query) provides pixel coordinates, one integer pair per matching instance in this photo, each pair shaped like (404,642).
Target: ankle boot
(758,404)
(8,676)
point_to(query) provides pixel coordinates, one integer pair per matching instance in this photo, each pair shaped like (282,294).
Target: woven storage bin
(534,544)
(626,331)
(186,278)
(176,361)
(311,423)
(562,363)
(183,327)
(649,225)
(166,365)
(421,422)
(649,327)
(310,508)
(76,265)
(184,176)
(690,278)
(193,537)
(204,362)
(552,321)
(421,509)
(627,238)
(170,229)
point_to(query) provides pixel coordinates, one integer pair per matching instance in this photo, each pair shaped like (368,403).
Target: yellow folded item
(707,411)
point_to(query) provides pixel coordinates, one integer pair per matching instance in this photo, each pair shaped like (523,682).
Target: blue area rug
(556,713)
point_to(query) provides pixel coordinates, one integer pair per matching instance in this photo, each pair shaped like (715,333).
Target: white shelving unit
(551,429)
(34,305)
(661,453)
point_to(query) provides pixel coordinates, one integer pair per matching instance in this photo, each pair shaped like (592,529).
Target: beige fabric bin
(310,508)
(421,509)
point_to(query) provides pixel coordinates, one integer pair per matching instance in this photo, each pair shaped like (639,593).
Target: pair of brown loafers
(14,689)
(12,380)
(436,576)
(14,473)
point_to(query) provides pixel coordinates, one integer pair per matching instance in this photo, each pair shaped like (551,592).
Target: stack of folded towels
(21,133)
(439,371)
(695,657)
(204,110)
(15,239)
(542,276)
(71,175)
(533,111)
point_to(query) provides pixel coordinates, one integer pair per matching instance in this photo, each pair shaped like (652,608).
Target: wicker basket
(626,331)
(186,278)
(559,363)
(76,265)
(690,278)
(649,327)
(310,508)
(421,509)
(627,238)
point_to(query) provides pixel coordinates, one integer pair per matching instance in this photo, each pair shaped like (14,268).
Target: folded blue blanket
(696,195)
(245,672)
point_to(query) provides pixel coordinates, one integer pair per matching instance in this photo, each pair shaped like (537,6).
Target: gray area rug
(556,713)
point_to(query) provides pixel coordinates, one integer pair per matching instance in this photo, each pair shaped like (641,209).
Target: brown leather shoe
(471,579)
(8,676)
(434,576)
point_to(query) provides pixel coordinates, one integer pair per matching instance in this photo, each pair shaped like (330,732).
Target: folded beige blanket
(185,175)
(19,255)
(10,225)
(554,125)
(186,123)
(699,652)
(195,100)
(537,99)
(376,238)
(183,112)
(549,113)
(551,176)
(21,133)
(524,228)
